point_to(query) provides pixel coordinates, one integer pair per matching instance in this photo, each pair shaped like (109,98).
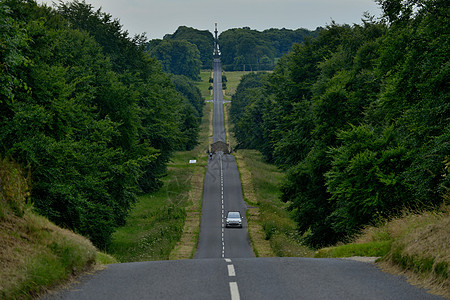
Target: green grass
(105,259)
(156,222)
(155,225)
(233,80)
(37,255)
(415,244)
(261,183)
(204,84)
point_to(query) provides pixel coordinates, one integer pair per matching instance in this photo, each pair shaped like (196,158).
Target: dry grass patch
(36,255)
(421,249)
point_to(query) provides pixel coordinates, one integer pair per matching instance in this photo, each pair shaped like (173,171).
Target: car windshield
(234,214)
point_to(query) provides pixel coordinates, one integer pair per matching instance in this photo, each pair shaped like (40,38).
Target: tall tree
(178,57)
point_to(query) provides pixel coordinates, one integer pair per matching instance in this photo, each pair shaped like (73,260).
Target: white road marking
(231,271)
(227,260)
(223,208)
(234,291)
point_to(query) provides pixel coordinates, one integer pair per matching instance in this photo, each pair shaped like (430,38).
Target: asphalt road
(218,119)
(244,278)
(221,193)
(225,266)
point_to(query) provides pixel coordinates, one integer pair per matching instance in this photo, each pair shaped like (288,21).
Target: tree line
(188,50)
(245,49)
(358,118)
(91,115)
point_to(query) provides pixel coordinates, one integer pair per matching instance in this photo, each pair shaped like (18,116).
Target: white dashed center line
(231,271)
(234,291)
(223,211)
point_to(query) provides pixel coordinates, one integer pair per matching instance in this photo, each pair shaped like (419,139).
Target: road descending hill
(225,266)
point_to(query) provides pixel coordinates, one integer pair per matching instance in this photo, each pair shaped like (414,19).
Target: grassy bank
(415,245)
(272,231)
(35,254)
(164,225)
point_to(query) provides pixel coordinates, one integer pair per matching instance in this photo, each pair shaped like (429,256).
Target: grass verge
(415,245)
(165,225)
(35,254)
(272,231)
(204,84)
(233,80)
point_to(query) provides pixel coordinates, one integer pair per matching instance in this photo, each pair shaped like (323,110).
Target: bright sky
(159,17)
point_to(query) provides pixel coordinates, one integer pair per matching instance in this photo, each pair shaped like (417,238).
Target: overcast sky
(159,17)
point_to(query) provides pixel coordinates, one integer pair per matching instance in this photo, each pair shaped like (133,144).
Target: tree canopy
(242,49)
(88,111)
(252,50)
(359,119)
(178,57)
(203,39)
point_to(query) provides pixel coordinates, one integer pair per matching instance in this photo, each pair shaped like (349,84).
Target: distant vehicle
(233,219)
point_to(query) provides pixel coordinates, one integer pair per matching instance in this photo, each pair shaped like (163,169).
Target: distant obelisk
(216,44)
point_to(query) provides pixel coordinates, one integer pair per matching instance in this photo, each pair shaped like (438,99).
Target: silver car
(233,219)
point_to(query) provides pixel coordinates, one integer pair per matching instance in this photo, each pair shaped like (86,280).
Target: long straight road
(221,193)
(225,267)
(218,118)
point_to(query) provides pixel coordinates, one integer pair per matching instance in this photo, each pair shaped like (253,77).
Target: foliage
(252,50)
(14,189)
(359,119)
(242,48)
(35,254)
(203,39)
(178,57)
(88,111)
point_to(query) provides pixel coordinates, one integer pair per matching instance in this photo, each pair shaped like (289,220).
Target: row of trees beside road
(359,118)
(88,112)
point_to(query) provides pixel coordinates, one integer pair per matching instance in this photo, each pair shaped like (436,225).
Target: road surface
(221,193)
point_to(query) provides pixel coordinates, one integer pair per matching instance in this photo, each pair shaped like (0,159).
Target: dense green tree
(247,111)
(203,39)
(88,111)
(359,118)
(252,50)
(178,57)
(188,89)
